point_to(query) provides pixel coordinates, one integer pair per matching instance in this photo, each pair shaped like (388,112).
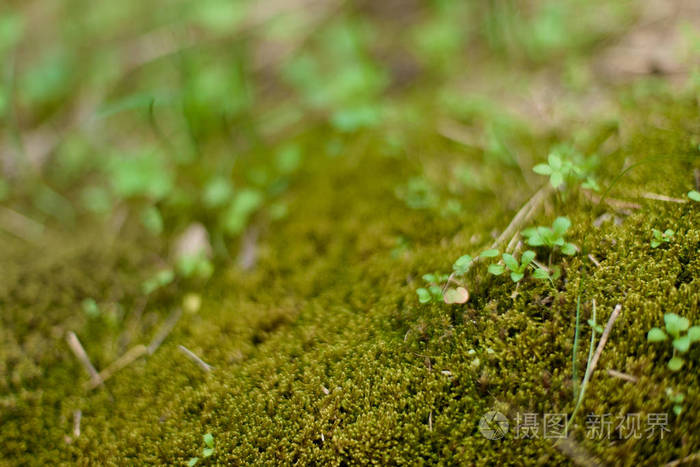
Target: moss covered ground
(320,351)
(322,354)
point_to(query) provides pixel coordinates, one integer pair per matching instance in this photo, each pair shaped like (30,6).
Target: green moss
(322,353)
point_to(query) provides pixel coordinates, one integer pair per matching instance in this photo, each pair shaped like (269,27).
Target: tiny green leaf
(568,249)
(542,169)
(675,323)
(489,253)
(677,409)
(675,364)
(208,440)
(656,335)
(462,265)
(540,273)
(694,195)
(557,179)
(207,452)
(429,278)
(496,269)
(554,161)
(682,344)
(527,258)
(694,334)
(193,461)
(561,225)
(436,291)
(510,261)
(423,295)
(90,308)
(516,276)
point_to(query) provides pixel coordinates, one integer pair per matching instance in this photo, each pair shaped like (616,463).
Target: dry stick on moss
(684,460)
(623,376)
(593,361)
(20,225)
(614,203)
(132,354)
(82,356)
(524,214)
(594,260)
(77,415)
(201,363)
(657,197)
(164,330)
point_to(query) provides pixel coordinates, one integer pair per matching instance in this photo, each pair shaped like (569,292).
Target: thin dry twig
(248,255)
(618,204)
(132,354)
(623,376)
(657,197)
(164,330)
(79,352)
(19,225)
(201,363)
(684,460)
(594,260)
(603,340)
(524,214)
(77,415)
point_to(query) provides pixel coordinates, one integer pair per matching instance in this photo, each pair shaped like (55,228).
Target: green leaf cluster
(552,237)
(682,336)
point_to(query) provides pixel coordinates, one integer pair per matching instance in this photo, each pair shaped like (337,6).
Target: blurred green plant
(567,168)
(658,237)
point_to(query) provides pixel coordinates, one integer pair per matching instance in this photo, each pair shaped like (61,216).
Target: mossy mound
(322,353)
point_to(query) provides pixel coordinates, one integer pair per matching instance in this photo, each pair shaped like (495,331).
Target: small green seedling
(661,237)
(433,291)
(675,326)
(565,166)
(91,308)
(677,399)
(158,280)
(595,326)
(694,195)
(517,268)
(551,237)
(207,451)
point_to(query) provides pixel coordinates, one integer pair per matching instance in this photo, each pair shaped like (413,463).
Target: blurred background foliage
(161,115)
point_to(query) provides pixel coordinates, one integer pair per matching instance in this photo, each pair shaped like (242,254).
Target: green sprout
(451,295)
(551,237)
(694,195)
(675,326)
(677,399)
(517,268)
(566,167)
(91,308)
(207,451)
(661,237)
(432,291)
(158,280)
